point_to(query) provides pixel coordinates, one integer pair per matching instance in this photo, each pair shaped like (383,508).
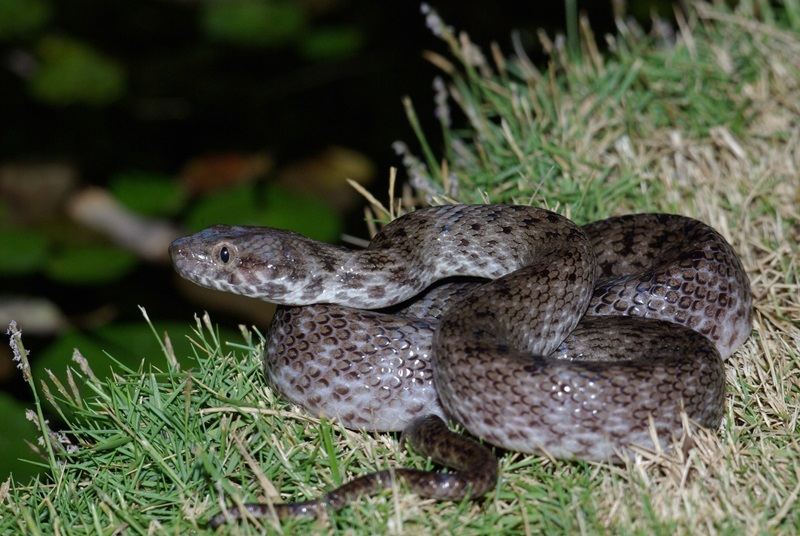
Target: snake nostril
(176,253)
(176,248)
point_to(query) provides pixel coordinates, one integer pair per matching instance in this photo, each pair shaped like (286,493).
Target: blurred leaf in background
(22,251)
(270,23)
(21,18)
(72,72)
(277,207)
(331,42)
(256,23)
(148,193)
(90,265)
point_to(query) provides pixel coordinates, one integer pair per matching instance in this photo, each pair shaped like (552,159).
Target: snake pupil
(224,255)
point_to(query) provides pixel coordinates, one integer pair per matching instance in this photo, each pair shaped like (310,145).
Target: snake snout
(178,251)
(175,250)
(187,258)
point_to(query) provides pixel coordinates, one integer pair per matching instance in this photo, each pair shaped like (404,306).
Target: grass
(707,125)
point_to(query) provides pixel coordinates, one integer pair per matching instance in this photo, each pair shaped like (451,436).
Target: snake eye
(224,255)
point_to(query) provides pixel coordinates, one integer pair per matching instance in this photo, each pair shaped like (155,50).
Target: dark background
(225,96)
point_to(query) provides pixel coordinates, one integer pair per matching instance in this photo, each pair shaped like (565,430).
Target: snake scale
(533,333)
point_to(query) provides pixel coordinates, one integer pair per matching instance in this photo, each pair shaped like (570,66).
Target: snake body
(576,342)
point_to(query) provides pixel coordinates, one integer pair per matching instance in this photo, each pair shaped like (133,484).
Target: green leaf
(72,72)
(90,265)
(148,193)
(253,22)
(22,252)
(331,43)
(304,214)
(234,206)
(23,17)
(283,209)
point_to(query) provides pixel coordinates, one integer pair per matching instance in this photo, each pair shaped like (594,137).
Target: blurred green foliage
(90,264)
(271,23)
(253,22)
(72,72)
(331,42)
(148,193)
(22,251)
(28,251)
(272,207)
(21,18)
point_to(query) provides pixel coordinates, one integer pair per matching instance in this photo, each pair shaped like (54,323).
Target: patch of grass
(706,123)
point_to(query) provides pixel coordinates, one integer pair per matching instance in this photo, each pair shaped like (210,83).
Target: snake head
(260,262)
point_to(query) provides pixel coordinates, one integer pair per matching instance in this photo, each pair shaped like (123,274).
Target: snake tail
(475,473)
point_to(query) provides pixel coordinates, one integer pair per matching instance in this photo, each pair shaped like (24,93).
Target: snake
(534,334)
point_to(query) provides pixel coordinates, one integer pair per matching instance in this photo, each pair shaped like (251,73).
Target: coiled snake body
(576,342)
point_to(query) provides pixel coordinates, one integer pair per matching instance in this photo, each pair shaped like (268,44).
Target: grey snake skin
(536,335)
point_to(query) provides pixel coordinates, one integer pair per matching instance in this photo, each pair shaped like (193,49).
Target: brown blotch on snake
(576,342)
